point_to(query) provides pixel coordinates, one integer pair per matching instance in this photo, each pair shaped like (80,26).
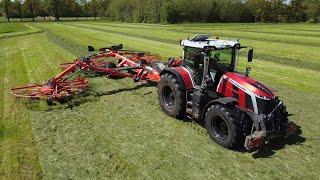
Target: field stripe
(294,33)
(20,34)
(18,153)
(98,37)
(31,30)
(261,56)
(269,29)
(152,38)
(309,42)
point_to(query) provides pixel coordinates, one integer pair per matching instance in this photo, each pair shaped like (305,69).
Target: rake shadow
(100,94)
(87,96)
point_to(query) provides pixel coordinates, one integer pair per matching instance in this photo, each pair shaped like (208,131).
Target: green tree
(277,8)
(55,8)
(44,8)
(313,10)
(18,7)
(296,11)
(94,5)
(6,5)
(77,8)
(33,7)
(170,12)
(85,7)
(260,9)
(103,6)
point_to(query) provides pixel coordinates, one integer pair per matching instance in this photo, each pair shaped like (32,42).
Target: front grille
(266,106)
(275,122)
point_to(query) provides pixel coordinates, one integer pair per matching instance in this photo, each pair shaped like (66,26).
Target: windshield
(222,56)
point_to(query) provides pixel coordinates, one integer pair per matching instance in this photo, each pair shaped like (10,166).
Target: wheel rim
(220,128)
(168,97)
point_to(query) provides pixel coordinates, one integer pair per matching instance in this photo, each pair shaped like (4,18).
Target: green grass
(283,53)
(10,30)
(117,129)
(12,27)
(18,153)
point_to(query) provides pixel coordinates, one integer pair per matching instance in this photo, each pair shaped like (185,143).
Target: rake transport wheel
(222,127)
(171,98)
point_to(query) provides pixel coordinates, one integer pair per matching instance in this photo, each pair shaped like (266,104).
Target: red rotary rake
(136,65)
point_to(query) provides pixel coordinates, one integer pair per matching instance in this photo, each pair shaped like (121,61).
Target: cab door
(193,59)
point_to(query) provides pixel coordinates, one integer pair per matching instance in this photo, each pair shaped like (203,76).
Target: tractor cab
(208,59)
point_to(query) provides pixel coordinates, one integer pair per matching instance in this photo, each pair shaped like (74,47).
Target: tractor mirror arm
(244,47)
(250,55)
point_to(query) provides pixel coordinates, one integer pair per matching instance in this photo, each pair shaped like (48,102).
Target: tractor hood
(251,84)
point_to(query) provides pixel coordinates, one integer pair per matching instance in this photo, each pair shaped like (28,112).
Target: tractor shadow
(279,143)
(269,149)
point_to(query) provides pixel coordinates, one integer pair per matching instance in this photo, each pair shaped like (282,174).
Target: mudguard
(183,76)
(224,101)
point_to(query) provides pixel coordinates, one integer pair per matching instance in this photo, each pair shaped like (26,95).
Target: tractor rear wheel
(171,98)
(222,127)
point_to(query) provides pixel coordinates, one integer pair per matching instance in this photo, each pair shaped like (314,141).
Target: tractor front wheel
(171,98)
(222,126)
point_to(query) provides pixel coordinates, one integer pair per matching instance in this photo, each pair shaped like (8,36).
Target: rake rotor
(132,64)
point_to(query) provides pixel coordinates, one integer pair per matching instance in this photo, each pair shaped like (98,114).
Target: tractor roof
(202,41)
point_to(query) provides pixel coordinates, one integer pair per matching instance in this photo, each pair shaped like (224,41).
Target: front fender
(224,101)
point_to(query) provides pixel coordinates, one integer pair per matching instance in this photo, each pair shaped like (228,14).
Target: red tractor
(238,110)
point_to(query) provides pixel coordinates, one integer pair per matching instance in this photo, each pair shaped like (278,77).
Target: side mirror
(250,55)
(90,48)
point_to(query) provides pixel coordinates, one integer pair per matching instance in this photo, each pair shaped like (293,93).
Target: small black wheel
(50,102)
(143,62)
(171,98)
(111,65)
(223,128)
(64,99)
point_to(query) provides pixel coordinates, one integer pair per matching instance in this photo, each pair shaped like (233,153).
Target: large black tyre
(171,99)
(223,127)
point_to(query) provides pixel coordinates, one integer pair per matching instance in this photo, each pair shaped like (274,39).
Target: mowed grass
(16,29)
(12,27)
(117,130)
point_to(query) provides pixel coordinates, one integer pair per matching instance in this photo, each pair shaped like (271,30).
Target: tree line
(168,11)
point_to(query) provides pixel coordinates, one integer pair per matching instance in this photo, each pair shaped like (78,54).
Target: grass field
(118,130)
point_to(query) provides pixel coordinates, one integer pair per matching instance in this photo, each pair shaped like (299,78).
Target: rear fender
(183,76)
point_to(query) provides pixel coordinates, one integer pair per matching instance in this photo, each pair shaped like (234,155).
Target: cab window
(222,56)
(192,57)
